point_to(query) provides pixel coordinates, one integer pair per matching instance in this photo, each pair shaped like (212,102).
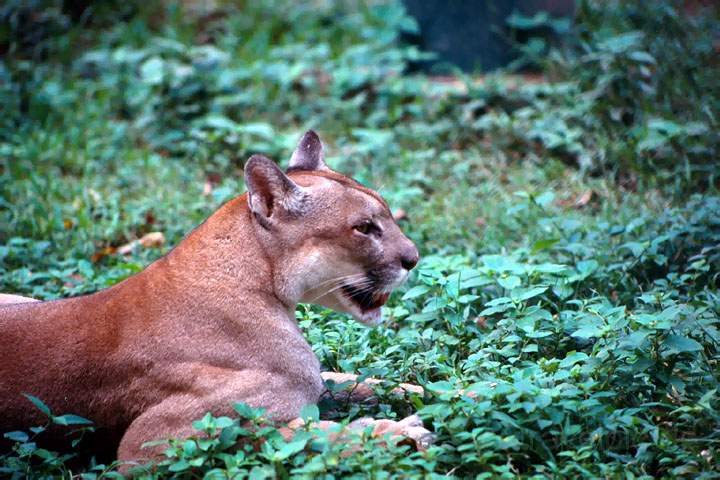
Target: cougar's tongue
(372,311)
(379,300)
(366,300)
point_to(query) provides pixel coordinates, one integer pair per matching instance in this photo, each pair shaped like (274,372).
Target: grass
(569,272)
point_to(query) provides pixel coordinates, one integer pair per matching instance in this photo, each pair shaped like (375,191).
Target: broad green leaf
(262,130)
(572,358)
(16,436)
(587,267)
(70,419)
(588,331)
(290,449)
(189,448)
(550,268)
(680,344)
(499,301)
(642,57)
(545,198)
(509,282)
(220,122)
(520,295)
(704,401)
(415,292)
(544,244)
(179,466)
(151,71)
(440,387)
(622,42)
(224,422)
(246,411)
(39,404)
(636,248)
(310,413)
(464,299)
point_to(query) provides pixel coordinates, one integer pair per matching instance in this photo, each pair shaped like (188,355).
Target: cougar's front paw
(410,428)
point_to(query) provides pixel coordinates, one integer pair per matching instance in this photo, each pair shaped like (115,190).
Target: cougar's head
(331,240)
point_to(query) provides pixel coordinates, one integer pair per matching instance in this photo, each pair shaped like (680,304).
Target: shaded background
(474,34)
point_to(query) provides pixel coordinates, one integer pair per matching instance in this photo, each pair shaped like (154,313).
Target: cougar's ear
(309,154)
(270,191)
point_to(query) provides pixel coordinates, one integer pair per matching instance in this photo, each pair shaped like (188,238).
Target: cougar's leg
(215,393)
(171,418)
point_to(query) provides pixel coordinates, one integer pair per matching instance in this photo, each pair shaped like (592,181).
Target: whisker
(335,279)
(332,280)
(365,289)
(341,280)
(363,285)
(333,289)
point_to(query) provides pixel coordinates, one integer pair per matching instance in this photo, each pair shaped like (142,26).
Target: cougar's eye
(367,227)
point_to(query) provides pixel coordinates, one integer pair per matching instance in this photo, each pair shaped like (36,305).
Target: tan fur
(7,298)
(212,322)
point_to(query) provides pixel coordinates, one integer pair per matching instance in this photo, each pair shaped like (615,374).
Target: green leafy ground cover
(569,229)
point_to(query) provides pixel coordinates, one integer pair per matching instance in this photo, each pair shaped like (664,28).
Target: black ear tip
(256,158)
(311,135)
(258,161)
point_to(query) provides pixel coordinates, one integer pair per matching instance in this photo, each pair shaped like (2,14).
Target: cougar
(213,322)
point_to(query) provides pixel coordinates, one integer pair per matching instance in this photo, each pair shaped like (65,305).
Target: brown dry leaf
(150,217)
(584,199)
(467,393)
(212,180)
(127,248)
(207,188)
(149,240)
(152,240)
(512,82)
(102,253)
(74,280)
(399,214)
(96,197)
(565,202)
(67,223)
(581,201)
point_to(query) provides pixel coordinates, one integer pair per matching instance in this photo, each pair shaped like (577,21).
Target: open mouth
(364,298)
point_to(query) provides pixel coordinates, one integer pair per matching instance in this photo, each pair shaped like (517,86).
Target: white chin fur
(400,278)
(370,318)
(340,303)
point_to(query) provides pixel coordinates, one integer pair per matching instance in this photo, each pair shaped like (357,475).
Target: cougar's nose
(409,257)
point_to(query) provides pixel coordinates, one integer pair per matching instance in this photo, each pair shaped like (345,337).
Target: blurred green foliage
(569,228)
(642,92)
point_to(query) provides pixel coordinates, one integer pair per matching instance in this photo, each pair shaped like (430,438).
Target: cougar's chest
(294,359)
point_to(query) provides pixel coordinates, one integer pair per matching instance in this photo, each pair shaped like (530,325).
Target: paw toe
(412,428)
(411,421)
(425,441)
